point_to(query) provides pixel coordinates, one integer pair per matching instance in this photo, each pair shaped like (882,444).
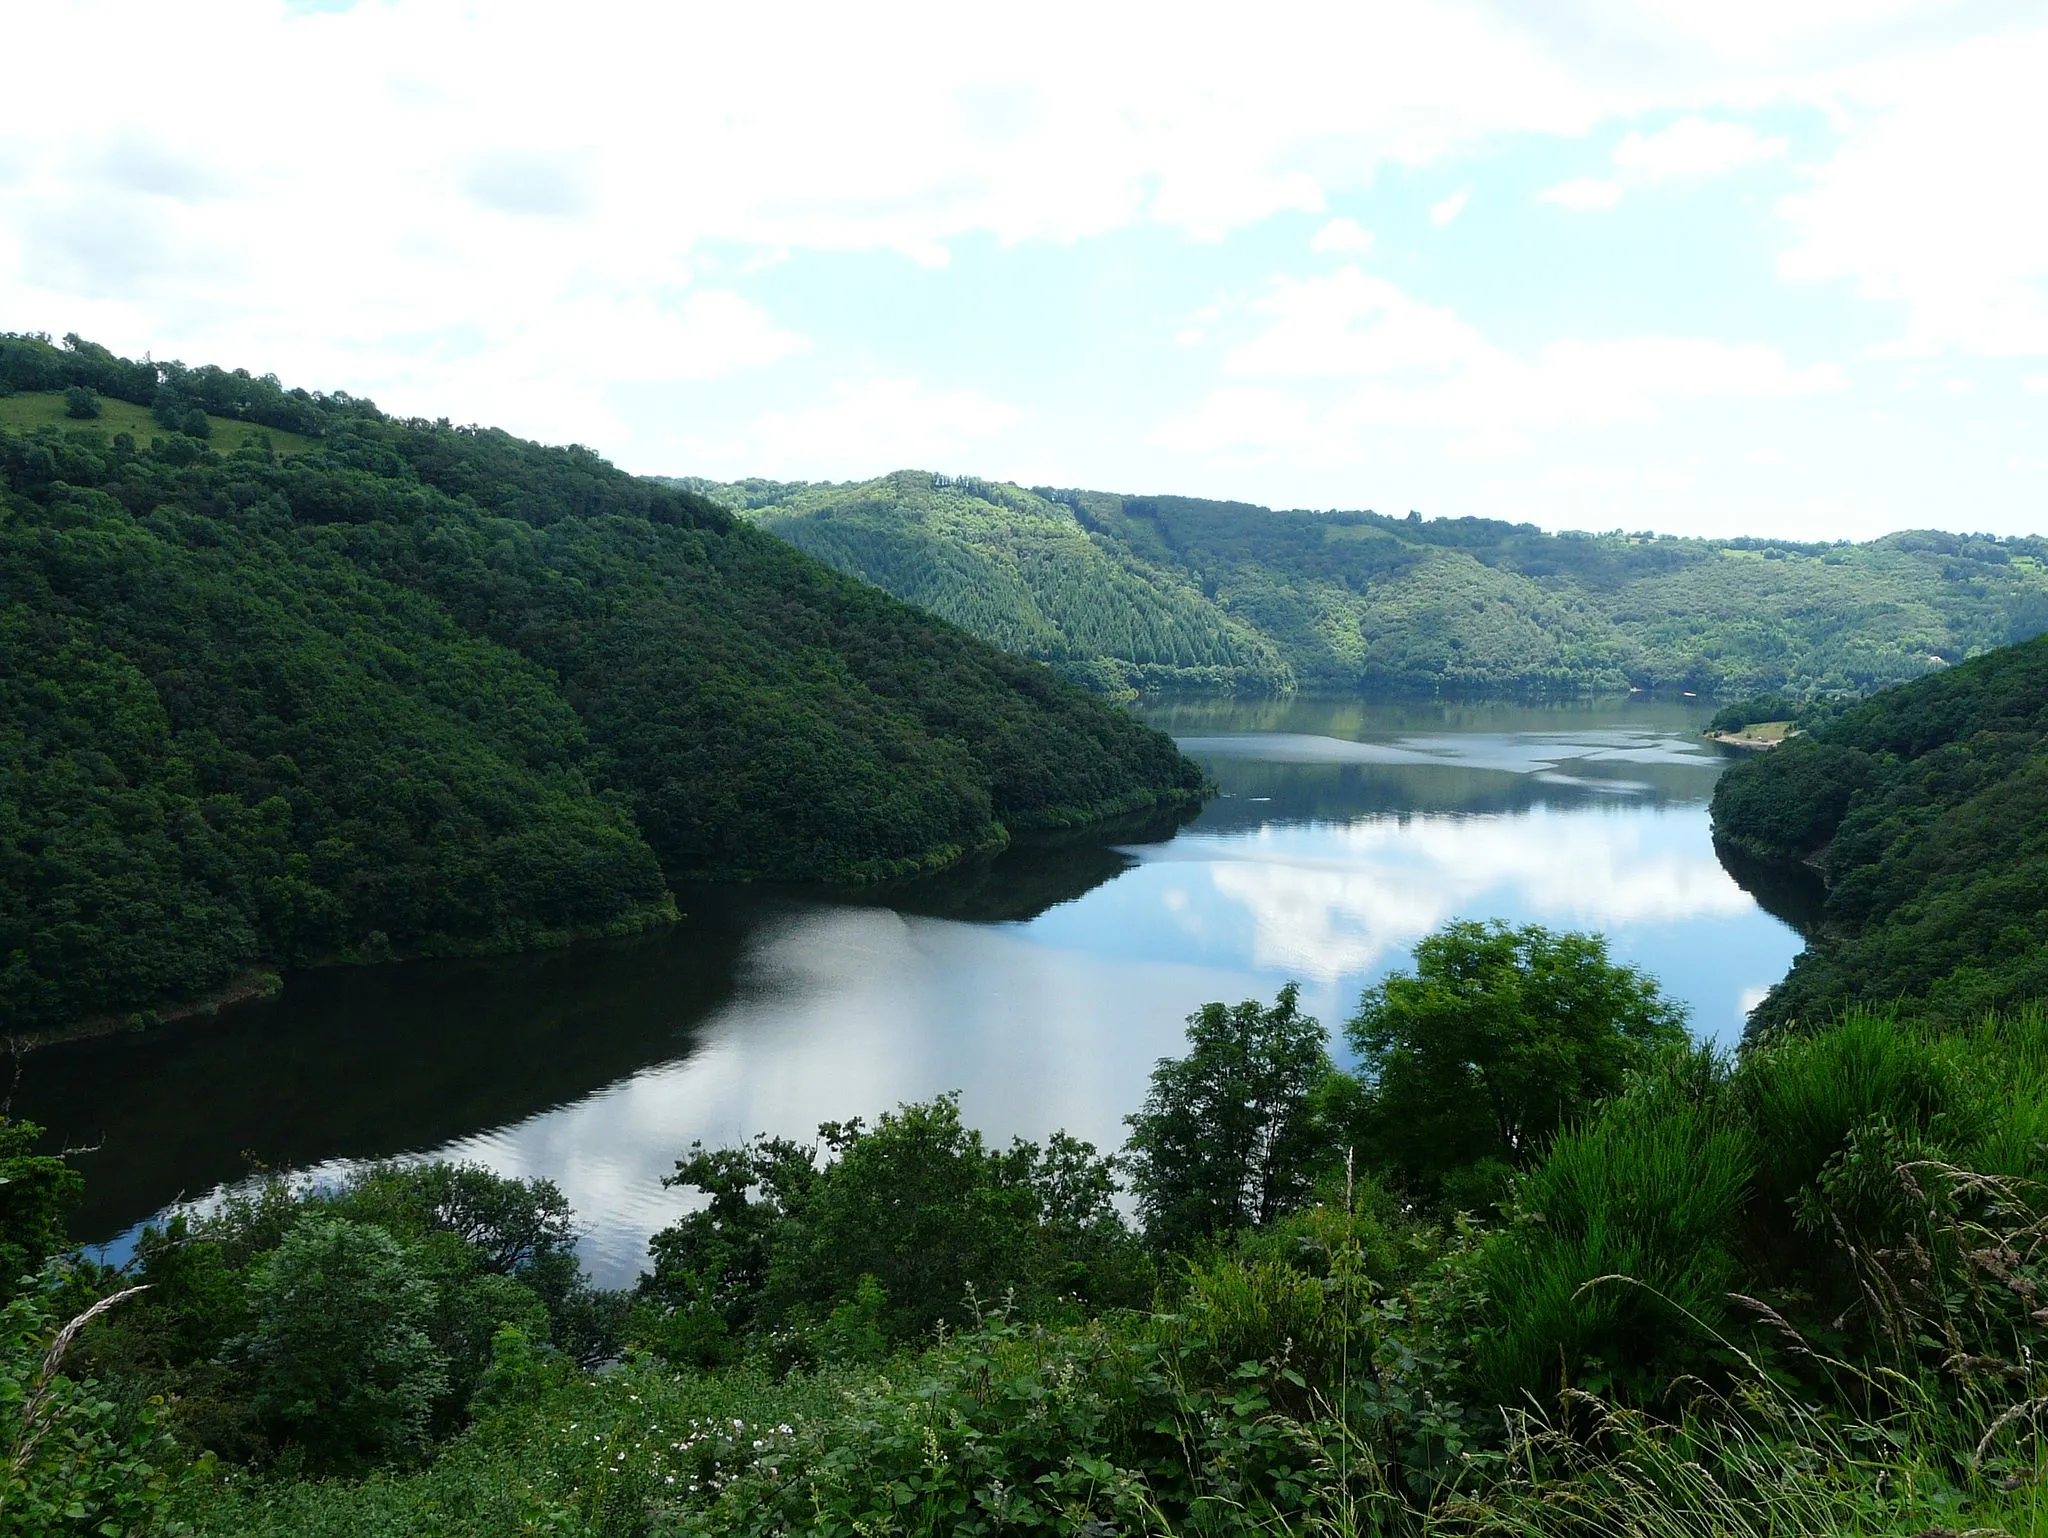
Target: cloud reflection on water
(1341,902)
(1324,860)
(1056,1022)
(850,1011)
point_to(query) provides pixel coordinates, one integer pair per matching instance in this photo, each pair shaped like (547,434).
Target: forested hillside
(419,689)
(1925,808)
(1157,591)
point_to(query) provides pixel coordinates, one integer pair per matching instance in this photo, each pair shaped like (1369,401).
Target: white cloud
(1449,209)
(1351,323)
(482,176)
(1397,361)
(867,429)
(1342,235)
(502,365)
(1694,147)
(1931,205)
(1584,194)
(529,182)
(478,167)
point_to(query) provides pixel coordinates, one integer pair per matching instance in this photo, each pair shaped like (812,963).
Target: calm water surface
(1042,985)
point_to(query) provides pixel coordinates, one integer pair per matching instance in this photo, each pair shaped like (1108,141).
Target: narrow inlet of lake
(1042,984)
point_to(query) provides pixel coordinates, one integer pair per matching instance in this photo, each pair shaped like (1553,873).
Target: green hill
(1024,573)
(1149,592)
(419,689)
(1925,809)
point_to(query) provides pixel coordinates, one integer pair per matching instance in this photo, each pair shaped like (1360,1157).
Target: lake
(1042,984)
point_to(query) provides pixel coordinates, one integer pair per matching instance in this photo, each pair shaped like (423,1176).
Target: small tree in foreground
(1469,1065)
(1228,1138)
(339,1350)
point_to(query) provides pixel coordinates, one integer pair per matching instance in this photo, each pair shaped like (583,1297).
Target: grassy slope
(1154,591)
(45,408)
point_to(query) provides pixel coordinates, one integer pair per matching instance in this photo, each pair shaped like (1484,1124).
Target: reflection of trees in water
(1038,872)
(1353,718)
(366,1062)
(363,1062)
(371,1061)
(1793,895)
(1342,792)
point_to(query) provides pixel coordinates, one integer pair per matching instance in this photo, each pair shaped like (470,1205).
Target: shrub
(2008,1059)
(1238,1312)
(36,1190)
(916,1205)
(1806,1094)
(71,1462)
(343,1366)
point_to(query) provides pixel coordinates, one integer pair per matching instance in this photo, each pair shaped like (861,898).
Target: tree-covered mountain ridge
(1128,592)
(1925,810)
(415,689)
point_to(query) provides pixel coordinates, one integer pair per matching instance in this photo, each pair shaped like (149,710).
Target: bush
(72,1463)
(82,403)
(2008,1058)
(36,1191)
(1807,1094)
(916,1207)
(343,1367)
(1242,1313)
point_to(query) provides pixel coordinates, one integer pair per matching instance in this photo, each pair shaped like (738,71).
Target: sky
(1733,267)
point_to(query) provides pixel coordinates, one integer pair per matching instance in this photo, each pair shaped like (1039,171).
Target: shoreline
(256,983)
(1756,738)
(265,982)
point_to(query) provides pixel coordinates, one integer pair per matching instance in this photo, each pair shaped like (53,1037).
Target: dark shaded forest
(415,689)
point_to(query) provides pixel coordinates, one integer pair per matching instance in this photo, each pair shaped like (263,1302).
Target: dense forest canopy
(1146,592)
(420,689)
(1925,809)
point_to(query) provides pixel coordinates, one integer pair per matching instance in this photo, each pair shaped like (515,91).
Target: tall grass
(1806,1094)
(1621,1243)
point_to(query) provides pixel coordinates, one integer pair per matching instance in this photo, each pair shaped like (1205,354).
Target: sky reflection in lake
(1343,833)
